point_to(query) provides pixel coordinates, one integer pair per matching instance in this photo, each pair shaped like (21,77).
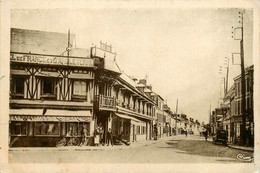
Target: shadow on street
(205,148)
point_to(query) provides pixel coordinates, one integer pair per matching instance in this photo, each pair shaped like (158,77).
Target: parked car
(221,136)
(191,133)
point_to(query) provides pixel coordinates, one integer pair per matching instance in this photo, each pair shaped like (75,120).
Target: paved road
(176,149)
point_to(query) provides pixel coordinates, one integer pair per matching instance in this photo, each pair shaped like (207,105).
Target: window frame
(26,131)
(54,91)
(79,97)
(79,132)
(47,135)
(13,86)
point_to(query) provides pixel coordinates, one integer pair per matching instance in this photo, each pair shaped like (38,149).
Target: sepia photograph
(135,85)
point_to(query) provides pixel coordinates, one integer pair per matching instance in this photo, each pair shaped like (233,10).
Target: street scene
(177,149)
(131,86)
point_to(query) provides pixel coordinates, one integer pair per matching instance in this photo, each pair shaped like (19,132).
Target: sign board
(51,60)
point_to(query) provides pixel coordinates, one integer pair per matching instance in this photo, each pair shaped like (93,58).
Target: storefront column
(131,133)
(92,126)
(109,121)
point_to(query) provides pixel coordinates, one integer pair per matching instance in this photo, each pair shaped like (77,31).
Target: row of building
(57,90)
(229,114)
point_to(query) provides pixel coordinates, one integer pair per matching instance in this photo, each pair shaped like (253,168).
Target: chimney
(150,87)
(142,81)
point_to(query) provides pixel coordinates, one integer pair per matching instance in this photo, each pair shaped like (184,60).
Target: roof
(154,94)
(111,65)
(147,90)
(126,78)
(39,42)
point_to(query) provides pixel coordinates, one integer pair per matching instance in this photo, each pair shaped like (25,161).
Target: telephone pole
(176,117)
(243,99)
(227,61)
(243,135)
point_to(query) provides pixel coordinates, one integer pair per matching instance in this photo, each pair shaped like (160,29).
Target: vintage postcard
(129,86)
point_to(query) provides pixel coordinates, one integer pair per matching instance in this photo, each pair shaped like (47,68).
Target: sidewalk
(251,149)
(85,148)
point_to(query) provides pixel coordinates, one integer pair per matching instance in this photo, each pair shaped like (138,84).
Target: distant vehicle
(191,132)
(221,136)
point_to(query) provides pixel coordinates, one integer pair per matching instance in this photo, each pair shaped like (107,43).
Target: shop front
(37,130)
(130,129)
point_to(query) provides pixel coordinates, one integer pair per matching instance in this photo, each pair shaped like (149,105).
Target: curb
(80,148)
(239,148)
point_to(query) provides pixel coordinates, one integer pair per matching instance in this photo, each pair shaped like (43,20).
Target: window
(75,129)
(247,85)
(238,108)
(18,128)
(247,103)
(48,86)
(47,129)
(80,88)
(239,90)
(17,85)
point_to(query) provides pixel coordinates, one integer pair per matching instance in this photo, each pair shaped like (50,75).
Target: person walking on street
(109,137)
(206,135)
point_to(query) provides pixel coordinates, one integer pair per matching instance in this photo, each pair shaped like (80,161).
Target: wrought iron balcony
(102,102)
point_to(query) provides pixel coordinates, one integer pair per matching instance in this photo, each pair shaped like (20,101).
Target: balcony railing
(105,102)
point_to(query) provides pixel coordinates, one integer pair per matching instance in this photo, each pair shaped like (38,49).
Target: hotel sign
(52,60)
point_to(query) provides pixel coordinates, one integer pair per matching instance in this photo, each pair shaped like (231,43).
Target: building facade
(61,95)
(50,94)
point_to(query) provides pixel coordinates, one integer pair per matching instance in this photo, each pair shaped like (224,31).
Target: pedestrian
(206,135)
(96,139)
(85,134)
(101,134)
(110,137)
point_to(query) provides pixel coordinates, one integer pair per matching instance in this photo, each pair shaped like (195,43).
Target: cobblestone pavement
(175,149)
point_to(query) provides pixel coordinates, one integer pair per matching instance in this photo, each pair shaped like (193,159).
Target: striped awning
(49,118)
(50,115)
(50,112)
(132,119)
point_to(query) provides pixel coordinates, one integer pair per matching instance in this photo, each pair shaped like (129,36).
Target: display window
(47,129)
(18,128)
(75,129)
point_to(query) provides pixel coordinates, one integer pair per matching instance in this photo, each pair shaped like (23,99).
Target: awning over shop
(133,120)
(48,74)
(49,112)
(19,72)
(80,76)
(50,118)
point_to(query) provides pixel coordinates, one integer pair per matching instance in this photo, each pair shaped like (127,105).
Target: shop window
(75,129)
(47,129)
(18,128)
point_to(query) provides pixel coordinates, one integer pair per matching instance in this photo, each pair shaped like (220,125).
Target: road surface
(175,149)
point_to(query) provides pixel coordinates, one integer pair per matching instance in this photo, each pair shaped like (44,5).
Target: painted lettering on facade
(51,60)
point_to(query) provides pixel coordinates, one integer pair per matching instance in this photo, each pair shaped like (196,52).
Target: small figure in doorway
(110,137)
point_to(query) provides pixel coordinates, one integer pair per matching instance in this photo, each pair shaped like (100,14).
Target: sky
(179,50)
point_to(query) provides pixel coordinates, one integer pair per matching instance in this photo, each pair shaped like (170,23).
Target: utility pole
(243,105)
(210,118)
(176,117)
(227,74)
(243,135)
(68,49)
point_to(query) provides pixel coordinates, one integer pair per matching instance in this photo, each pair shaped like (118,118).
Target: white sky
(179,49)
